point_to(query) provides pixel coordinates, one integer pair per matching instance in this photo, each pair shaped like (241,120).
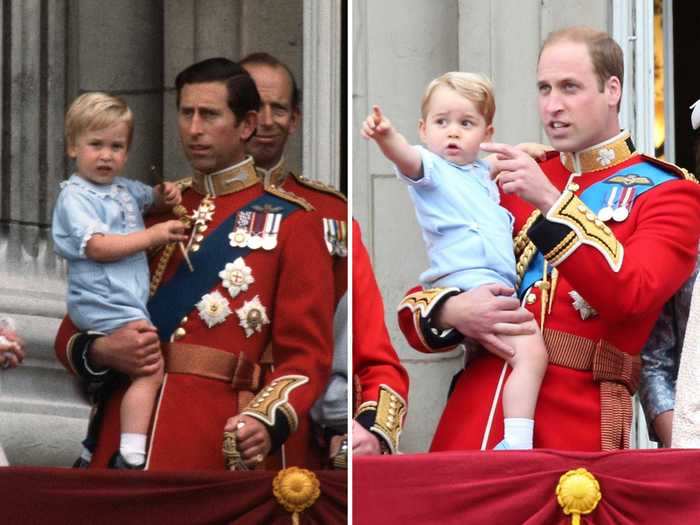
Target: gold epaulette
(184,183)
(289,196)
(318,185)
(676,170)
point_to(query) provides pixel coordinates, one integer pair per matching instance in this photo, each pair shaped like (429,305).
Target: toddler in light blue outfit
(98,228)
(102,296)
(468,236)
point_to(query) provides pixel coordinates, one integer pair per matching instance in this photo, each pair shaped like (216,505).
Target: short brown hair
(606,55)
(474,87)
(96,111)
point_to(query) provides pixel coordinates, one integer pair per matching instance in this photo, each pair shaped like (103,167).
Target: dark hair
(266,59)
(243,96)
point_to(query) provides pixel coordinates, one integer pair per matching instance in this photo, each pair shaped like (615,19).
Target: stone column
(40,409)
(322,92)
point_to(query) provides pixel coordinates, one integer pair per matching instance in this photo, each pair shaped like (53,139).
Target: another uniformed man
(604,237)
(279,118)
(262,277)
(381,382)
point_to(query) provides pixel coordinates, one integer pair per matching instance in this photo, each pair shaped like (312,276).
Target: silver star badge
(585,310)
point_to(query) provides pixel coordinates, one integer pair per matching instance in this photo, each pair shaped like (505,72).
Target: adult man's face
(211,136)
(575,113)
(277,119)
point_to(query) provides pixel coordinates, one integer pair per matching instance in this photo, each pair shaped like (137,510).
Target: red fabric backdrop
(103,497)
(504,488)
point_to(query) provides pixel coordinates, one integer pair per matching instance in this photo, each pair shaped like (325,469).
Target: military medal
(239,237)
(335,234)
(236,277)
(252,316)
(623,209)
(606,213)
(272,226)
(585,310)
(257,222)
(213,309)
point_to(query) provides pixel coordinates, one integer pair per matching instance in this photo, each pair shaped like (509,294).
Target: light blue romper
(468,235)
(102,296)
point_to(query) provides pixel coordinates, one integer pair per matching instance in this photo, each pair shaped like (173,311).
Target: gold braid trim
(366,406)
(318,185)
(523,262)
(521,240)
(391,410)
(157,276)
(289,196)
(275,397)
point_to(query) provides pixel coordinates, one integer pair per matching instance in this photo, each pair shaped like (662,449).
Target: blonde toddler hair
(474,87)
(96,111)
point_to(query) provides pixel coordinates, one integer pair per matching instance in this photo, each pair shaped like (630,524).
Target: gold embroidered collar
(229,180)
(275,175)
(601,156)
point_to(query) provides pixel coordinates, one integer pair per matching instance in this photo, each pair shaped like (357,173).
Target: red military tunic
(381,380)
(624,270)
(292,295)
(331,206)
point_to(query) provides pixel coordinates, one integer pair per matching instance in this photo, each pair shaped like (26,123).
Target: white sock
(518,432)
(132,447)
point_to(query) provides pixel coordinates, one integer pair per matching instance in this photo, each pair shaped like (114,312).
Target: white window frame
(633,29)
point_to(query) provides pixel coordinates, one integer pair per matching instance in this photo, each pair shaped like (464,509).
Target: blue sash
(176,298)
(643,176)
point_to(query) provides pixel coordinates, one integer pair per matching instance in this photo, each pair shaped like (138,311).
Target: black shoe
(81,462)
(118,462)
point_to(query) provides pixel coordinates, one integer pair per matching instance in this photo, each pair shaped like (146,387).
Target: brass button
(598,222)
(606,229)
(184,320)
(179,332)
(195,248)
(531,298)
(590,216)
(582,208)
(573,187)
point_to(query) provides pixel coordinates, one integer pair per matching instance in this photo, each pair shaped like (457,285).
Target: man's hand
(252,438)
(364,443)
(169,194)
(376,126)
(11,349)
(484,313)
(166,232)
(517,172)
(133,349)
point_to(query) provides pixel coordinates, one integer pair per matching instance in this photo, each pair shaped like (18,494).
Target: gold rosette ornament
(296,489)
(578,492)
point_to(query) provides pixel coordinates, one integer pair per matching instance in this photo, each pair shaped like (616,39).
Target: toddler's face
(453,127)
(100,155)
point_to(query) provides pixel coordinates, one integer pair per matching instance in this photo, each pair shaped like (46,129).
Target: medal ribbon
(176,298)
